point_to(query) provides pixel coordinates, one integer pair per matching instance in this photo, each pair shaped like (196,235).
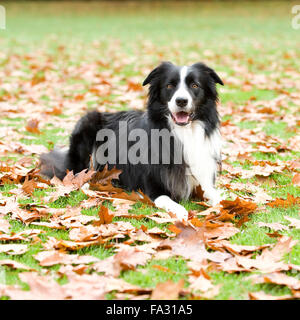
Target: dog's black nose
(181,102)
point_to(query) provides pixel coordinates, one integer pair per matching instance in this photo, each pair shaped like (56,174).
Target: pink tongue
(181,117)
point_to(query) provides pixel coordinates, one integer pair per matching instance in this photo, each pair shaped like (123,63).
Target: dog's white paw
(214,197)
(180,212)
(164,202)
(213,202)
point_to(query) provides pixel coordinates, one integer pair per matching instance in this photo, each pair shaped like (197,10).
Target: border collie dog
(182,101)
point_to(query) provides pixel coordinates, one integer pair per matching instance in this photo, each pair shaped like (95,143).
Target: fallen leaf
(33,126)
(260,295)
(285,203)
(131,257)
(190,245)
(104,216)
(278,278)
(296,179)
(41,288)
(294,223)
(14,264)
(4,225)
(167,290)
(238,207)
(69,183)
(276,226)
(200,283)
(236,248)
(13,249)
(50,258)
(29,186)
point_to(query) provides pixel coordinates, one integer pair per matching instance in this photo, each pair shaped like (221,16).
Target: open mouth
(182,118)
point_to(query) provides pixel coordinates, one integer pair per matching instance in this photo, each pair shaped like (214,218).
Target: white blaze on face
(181,92)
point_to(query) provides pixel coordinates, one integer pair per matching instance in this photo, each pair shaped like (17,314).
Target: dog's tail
(54,163)
(77,157)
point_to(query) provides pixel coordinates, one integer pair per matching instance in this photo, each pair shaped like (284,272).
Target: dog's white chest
(200,152)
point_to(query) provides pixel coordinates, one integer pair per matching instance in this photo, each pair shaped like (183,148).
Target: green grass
(48,137)
(278,129)
(238,96)
(231,291)
(176,269)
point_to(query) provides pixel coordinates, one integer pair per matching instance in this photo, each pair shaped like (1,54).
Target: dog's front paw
(169,205)
(214,197)
(180,212)
(214,201)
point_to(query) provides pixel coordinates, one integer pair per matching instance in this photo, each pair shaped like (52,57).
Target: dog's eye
(169,86)
(194,86)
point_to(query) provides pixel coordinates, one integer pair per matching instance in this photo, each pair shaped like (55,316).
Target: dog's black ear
(156,72)
(212,73)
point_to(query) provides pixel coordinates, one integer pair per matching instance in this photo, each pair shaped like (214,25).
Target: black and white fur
(181,99)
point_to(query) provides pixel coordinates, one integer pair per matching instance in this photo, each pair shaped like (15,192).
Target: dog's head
(182,92)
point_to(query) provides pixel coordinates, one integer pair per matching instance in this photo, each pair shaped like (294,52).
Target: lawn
(60,59)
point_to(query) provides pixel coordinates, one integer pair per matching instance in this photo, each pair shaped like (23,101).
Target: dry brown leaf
(92,286)
(294,223)
(29,186)
(50,258)
(269,260)
(69,183)
(167,290)
(265,180)
(134,85)
(73,246)
(126,259)
(198,193)
(104,216)
(113,230)
(174,229)
(102,180)
(296,179)
(12,237)
(56,111)
(140,235)
(277,278)
(134,196)
(237,249)
(260,295)
(29,216)
(33,126)
(53,224)
(14,264)
(285,203)
(161,268)
(155,231)
(190,245)
(224,231)
(129,259)
(206,212)
(238,207)
(13,249)
(4,225)
(108,267)
(41,288)
(276,226)
(79,179)
(9,206)
(200,283)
